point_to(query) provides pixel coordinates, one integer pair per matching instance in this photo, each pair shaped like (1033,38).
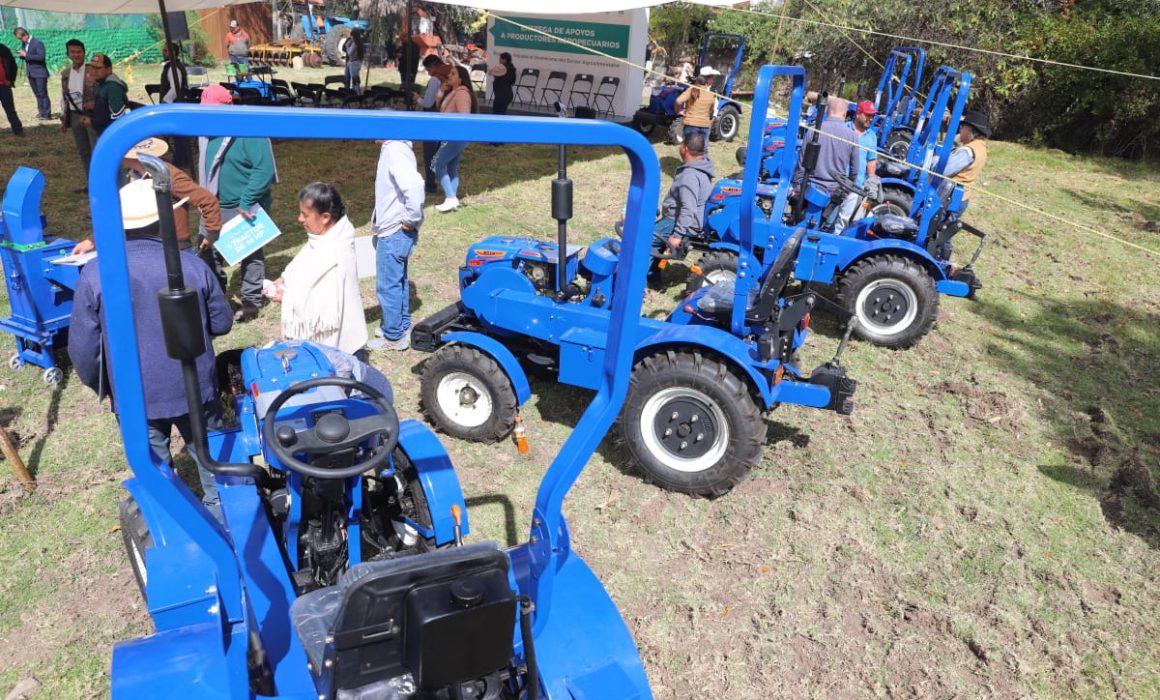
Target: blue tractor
(897,98)
(723,53)
(889,268)
(702,377)
(337,568)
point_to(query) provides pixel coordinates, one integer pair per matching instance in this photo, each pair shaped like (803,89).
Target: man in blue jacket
(32,51)
(165,404)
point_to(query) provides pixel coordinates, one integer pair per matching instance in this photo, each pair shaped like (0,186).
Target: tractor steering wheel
(848,185)
(331,432)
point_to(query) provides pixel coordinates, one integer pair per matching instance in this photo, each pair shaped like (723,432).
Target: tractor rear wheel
(894,201)
(331,43)
(898,143)
(691,423)
(138,540)
(718,266)
(466,394)
(894,299)
(726,125)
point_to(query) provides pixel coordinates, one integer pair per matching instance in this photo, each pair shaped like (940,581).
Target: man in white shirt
(398,215)
(78,91)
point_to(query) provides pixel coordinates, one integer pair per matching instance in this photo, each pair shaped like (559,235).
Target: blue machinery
(702,377)
(221,598)
(888,271)
(662,111)
(39,291)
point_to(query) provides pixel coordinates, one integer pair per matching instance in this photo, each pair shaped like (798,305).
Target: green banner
(611,39)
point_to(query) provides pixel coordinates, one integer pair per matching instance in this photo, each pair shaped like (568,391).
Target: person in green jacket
(112,99)
(240,172)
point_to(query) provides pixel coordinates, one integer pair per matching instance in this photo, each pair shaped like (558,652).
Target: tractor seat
(761,303)
(437,619)
(894,226)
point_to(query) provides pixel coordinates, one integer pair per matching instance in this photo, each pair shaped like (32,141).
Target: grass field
(984,526)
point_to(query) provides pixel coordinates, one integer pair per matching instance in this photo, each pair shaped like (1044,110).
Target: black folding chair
(606,92)
(529,79)
(582,88)
(153,90)
(553,88)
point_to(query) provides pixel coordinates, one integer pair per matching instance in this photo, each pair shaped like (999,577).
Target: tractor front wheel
(642,125)
(676,133)
(894,299)
(717,266)
(691,423)
(727,124)
(466,394)
(138,540)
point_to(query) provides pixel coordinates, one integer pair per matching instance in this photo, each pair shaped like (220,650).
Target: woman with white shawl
(319,288)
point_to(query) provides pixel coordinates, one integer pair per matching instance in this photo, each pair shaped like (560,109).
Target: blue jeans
(702,130)
(350,77)
(446,166)
(161,428)
(429,179)
(391,285)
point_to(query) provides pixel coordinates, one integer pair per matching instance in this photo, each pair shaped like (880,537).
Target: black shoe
(655,279)
(247,312)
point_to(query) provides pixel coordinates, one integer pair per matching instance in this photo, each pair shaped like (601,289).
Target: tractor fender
(182,581)
(726,346)
(437,478)
(722,103)
(511,366)
(893,183)
(195,661)
(895,247)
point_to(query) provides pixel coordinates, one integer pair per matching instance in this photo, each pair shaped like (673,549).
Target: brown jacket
(184,186)
(700,112)
(970,174)
(90,95)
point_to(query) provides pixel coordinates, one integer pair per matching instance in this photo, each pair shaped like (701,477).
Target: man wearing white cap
(165,404)
(238,47)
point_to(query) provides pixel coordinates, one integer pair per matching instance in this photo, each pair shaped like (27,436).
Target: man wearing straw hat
(184,190)
(165,404)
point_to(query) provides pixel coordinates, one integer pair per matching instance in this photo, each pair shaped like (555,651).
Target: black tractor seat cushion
(442,617)
(894,226)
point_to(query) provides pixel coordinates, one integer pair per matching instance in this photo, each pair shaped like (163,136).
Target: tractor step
(426,334)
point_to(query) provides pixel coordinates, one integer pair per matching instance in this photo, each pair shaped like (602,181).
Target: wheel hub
(468,396)
(886,305)
(685,427)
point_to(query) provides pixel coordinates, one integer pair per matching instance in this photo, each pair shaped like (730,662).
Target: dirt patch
(983,406)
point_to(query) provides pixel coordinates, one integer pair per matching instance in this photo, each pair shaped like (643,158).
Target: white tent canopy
(124,7)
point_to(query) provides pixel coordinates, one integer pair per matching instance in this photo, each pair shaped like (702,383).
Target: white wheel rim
(728,125)
(719,275)
(661,401)
(892,325)
(135,552)
(464,399)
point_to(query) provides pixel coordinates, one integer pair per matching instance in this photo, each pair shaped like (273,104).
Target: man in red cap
(867,158)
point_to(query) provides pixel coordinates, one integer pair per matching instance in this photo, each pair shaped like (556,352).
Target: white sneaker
(449,204)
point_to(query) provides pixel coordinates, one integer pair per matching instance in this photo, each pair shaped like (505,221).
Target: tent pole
(165,27)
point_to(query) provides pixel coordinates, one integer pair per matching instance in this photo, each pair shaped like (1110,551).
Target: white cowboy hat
(708,72)
(139,204)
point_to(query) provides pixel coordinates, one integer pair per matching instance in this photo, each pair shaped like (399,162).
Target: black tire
(894,201)
(898,143)
(480,378)
(717,266)
(726,125)
(137,538)
(641,125)
(676,132)
(878,289)
(413,504)
(702,391)
(331,42)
